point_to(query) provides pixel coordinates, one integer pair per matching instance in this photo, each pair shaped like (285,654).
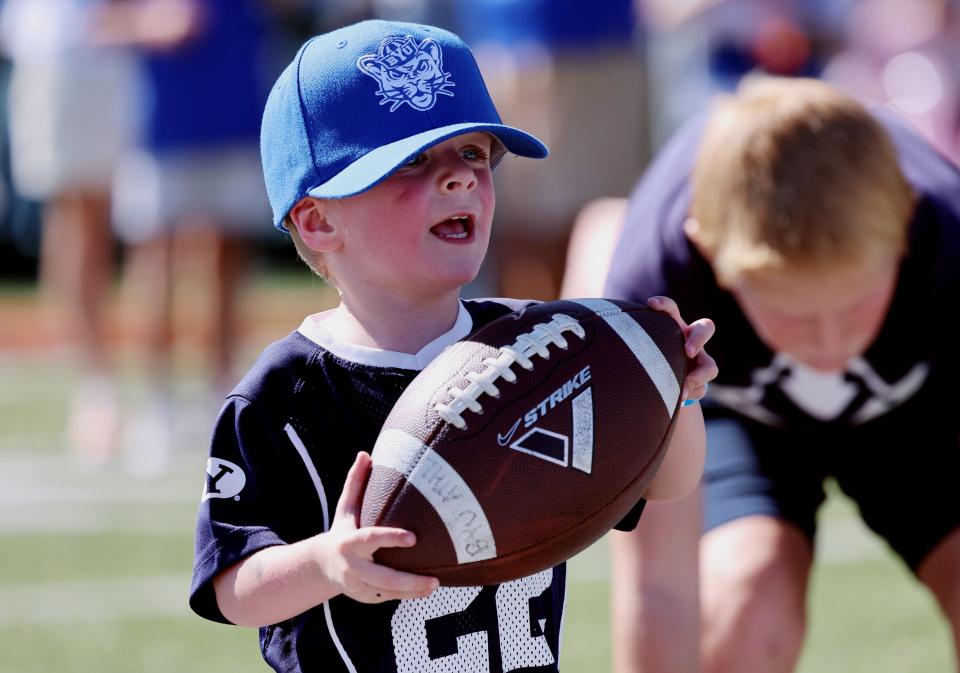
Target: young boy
(378,143)
(825,241)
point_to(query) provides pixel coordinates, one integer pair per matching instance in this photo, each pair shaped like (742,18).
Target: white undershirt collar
(312,328)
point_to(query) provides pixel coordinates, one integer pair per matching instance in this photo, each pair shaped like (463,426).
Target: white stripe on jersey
(322,494)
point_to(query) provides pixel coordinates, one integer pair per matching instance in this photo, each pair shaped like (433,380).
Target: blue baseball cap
(359,102)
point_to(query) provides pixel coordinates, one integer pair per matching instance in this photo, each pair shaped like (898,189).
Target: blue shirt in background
(211,90)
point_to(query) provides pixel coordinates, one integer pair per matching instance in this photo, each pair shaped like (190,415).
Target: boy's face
(424,230)
(820,320)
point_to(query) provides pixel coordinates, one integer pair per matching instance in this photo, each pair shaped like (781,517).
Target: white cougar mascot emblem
(408,72)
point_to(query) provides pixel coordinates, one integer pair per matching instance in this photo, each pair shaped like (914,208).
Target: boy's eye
(415,161)
(474,154)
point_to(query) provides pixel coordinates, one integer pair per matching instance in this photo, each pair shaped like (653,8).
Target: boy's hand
(697,334)
(346,556)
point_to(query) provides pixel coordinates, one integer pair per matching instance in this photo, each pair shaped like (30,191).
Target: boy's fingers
(698,334)
(391,582)
(702,330)
(375,537)
(349,503)
(700,376)
(381,595)
(406,595)
(667,305)
(373,595)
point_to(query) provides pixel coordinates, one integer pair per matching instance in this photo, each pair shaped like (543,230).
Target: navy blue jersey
(914,352)
(281,450)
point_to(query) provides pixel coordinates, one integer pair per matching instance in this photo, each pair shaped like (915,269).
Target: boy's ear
(317,230)
(695,235)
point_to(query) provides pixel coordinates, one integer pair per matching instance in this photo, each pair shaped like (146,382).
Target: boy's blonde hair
(311,258)
(794,175)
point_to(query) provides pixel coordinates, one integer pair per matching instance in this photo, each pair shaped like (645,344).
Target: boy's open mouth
(456,228)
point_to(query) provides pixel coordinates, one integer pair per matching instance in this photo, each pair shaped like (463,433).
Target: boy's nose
(456,175)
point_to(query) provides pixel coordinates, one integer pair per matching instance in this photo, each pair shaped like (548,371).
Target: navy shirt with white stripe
(282,447)
(912,354)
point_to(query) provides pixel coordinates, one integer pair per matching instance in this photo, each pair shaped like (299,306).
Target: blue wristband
(690,403)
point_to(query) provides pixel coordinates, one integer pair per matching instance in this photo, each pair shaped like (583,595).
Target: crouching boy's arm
(683,463)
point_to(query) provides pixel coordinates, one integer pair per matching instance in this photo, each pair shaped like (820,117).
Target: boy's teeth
(453,228)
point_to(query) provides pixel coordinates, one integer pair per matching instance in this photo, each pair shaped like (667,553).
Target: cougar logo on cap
(408,72)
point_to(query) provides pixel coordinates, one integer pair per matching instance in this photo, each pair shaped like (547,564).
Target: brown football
(525,443)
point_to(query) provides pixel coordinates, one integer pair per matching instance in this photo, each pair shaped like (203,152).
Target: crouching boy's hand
(698,333)
(346,552)
(682,465)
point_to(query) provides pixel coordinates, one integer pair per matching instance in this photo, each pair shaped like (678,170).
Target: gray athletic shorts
(900,469)
(156,195)
(71,120)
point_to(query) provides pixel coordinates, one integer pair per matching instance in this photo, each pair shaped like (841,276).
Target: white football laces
(534,342)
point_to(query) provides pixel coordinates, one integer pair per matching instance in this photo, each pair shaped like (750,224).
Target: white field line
(106,600)
(55,479)
(93,520)
(53,603)
(54,494)
(50,494)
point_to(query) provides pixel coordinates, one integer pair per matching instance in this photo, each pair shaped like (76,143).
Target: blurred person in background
(697,49)
(70,119)
(572,73)
(592,242)
(190,197)
(824,241)
(906,56)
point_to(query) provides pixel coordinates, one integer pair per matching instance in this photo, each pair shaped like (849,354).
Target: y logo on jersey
(408,72)
(224,479)
(553,446)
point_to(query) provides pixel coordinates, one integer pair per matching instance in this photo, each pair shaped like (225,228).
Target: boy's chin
(458,281)
(825,365)
(457,274)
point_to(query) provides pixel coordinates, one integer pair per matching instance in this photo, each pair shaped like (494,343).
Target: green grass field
(94,566)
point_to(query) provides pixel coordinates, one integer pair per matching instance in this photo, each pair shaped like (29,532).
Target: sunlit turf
(36,558)
(873,617)
(181,644)
(869,616)
(864,617)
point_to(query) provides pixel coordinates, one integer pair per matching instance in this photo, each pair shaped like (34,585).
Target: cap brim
(377,165)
